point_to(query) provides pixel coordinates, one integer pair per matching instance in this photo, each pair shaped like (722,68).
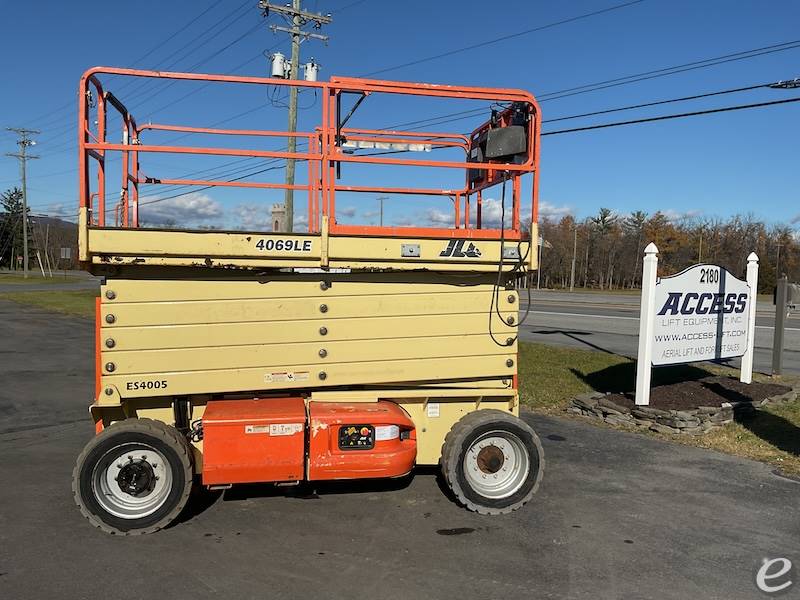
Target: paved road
(610,323)
(618,515)
(75,280)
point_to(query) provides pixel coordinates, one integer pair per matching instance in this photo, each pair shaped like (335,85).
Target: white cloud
(491,211)
(347,211)
(300,220)
(438,217)
(188,211)
(673,215)
(546,209)
(795,219)
(370,214)
(258,217)
(58,208)
(253,217)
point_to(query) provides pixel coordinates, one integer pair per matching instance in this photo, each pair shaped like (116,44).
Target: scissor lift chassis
(237,357)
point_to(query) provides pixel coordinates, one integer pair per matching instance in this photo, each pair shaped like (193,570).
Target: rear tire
(492,461)
(133,478)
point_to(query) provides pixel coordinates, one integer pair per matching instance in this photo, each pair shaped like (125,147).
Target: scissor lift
(342,352)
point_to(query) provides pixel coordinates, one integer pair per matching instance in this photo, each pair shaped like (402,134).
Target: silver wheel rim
(135,463)
(496,465)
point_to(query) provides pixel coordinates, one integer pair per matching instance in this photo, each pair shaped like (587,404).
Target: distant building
(278,217)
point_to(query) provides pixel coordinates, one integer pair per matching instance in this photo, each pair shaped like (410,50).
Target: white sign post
(646,312)
(703,313)
(746,373)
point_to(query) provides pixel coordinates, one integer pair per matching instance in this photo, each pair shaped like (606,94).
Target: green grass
(772,437)
(15,279)
(551,376)
(80,303)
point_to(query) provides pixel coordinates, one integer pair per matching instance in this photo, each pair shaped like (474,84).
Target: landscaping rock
(678,423)
(650,412)
(684,414)
(605,402)
(723,416)
(688,421)
(584,401)
(789,396)
(617,420)
(663,428)
(693,430)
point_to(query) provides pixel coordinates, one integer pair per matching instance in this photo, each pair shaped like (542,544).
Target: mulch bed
(709,391)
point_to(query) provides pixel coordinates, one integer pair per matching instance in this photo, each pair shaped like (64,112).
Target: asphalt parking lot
(618,515)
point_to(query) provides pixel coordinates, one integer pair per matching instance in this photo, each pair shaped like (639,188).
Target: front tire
(133,478)
(492,461)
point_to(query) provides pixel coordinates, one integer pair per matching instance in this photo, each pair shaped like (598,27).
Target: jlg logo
(455,249)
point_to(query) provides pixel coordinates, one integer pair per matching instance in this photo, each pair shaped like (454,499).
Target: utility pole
(700,251)
(574,253)
(380,200)
(297,18)
(24,142)
(539,261)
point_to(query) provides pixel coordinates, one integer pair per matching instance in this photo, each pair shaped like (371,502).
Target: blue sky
(712,166)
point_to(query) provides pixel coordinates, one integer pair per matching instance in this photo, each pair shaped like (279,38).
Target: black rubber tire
(461,437)
(160,436)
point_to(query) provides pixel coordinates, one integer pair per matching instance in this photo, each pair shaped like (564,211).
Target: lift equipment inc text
(700,314)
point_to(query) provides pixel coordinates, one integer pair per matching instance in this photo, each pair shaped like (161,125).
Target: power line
(142,88)
(177,33)
(666,71)
(166,40)
(70,127)
(675,116)
(211,186)
(202,62)
(203,38)
(506,37)
(201,87)
(659,102)
(624,80)
(351,5)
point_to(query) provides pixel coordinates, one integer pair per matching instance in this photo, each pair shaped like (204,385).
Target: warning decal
(286,377)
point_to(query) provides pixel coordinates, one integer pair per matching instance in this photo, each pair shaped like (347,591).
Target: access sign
(700,314)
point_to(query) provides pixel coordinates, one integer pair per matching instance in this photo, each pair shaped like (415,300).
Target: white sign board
(703,313)
(700,314)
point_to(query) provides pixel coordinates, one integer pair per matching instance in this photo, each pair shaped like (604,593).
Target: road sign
(66,253)
(793,295)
